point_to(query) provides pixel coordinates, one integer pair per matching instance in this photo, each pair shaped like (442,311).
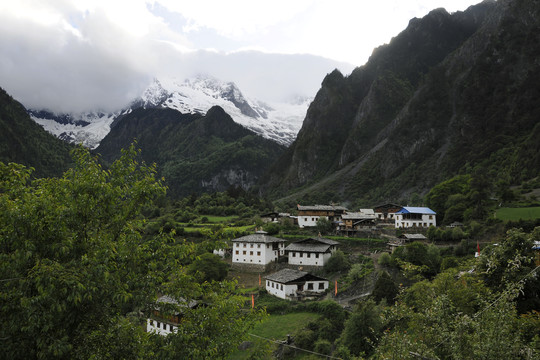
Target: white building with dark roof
(294,284)
(409,217)
(257,249)
(162,324)
(309,215)
(311,251)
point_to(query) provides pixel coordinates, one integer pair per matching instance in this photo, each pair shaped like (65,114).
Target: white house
(293,284)
(385,213)
(311,251)
(257,249)
(309,215)
(162,324)
(409,217)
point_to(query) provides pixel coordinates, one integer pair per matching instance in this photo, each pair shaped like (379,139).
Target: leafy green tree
(208,267)
(512,261)
(385,288)
(338,262)
(324,226)
(79,279)
(362,329)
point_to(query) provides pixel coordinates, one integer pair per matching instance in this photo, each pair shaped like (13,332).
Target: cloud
(71,56)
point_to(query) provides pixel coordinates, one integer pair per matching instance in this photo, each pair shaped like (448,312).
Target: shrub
(337,263)
(384,259)
(323,346)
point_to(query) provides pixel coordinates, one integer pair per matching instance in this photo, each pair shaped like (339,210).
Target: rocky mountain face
(25,142)
(194,152)
(451,93)
(278,122)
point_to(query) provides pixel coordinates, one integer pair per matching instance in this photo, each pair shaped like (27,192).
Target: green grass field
(515,214)
(276,327)
(219,219)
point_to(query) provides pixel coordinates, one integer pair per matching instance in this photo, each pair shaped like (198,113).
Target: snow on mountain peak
(277,121)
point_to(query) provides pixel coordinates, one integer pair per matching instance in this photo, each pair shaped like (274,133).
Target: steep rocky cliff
(451,92)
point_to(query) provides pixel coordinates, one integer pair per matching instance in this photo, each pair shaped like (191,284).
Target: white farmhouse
(309,215)
(409,217)
(162,324)
(311,251)
(294,284)
(257,249)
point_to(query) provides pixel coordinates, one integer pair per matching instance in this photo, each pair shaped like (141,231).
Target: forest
(85,256)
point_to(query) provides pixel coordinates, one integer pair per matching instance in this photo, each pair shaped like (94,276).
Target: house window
(237,245)
(300,254)
(259,246)
(312,219)
(244,252)
(251,253)
(258,253)
(308,255)
(151,322)
(237,252)
(281,287)
(293,254)
(430,217)
(321,286)
(268,246)
(250,245)
(267,283)
(158,324)
(317,256)
(272,284)
(245,245)
(310,286)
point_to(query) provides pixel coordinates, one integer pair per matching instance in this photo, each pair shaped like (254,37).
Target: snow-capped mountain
(87,129)
(279,121)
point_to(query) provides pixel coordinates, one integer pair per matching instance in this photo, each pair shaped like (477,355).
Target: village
(256,252)
(290,266)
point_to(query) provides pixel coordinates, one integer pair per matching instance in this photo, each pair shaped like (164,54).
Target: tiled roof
(319,245)
(358,215)
(414,236)
(258,237)
(285,276)
(320,240)
(316,248)
(321,207)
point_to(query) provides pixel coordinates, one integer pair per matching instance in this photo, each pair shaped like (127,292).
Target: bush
(337,263)
(323,346)
(384,259)
(448,262)
(304,339)
(385,288)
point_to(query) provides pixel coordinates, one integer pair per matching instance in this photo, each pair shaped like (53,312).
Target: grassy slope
(518,213)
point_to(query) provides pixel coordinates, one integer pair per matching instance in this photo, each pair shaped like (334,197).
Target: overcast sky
(79,55)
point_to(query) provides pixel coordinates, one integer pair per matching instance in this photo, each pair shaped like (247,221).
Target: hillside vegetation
(25,142)
(452,94)
(194,153)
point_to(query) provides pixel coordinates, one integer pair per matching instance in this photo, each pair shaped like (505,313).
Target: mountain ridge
(194,153)
(407,119)
(278,122)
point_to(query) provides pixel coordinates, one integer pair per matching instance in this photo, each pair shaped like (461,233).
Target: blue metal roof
(416,210)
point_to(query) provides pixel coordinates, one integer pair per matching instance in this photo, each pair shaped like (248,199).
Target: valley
(394,215)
